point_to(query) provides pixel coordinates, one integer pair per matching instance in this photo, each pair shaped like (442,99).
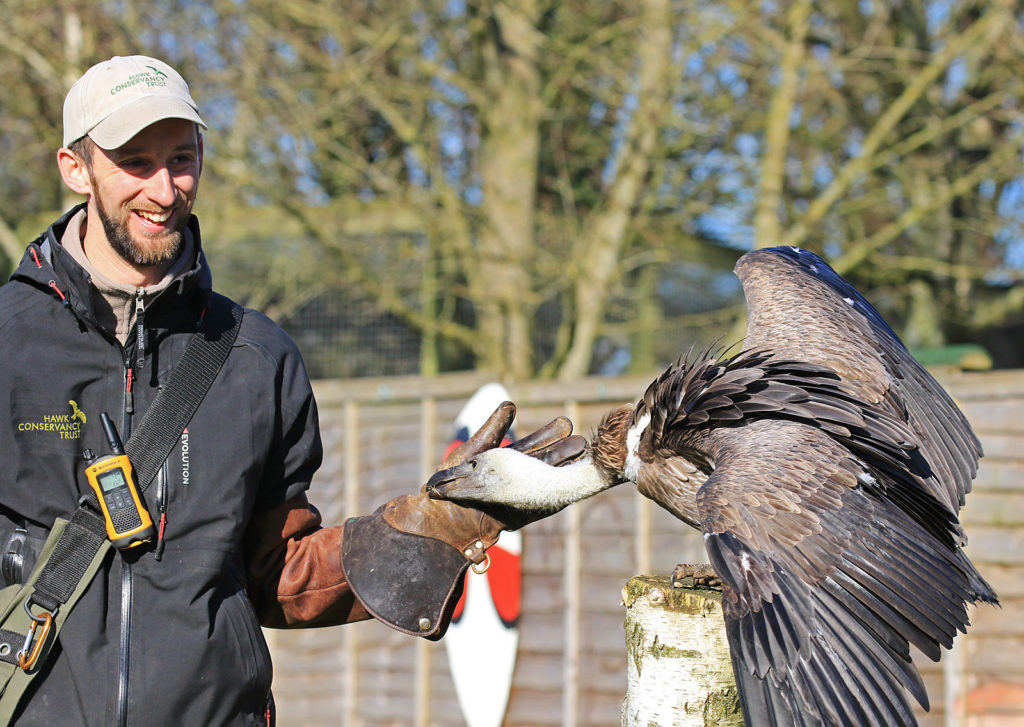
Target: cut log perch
(678,669)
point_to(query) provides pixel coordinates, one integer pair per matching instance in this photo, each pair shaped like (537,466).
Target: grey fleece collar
(115,303)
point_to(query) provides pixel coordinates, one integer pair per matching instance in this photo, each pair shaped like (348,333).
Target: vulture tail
(761,701)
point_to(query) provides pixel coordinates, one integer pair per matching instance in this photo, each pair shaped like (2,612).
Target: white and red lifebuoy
(485,624)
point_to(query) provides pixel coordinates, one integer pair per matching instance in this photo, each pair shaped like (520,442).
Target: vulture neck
(603,467)
(521,481)
(557,487)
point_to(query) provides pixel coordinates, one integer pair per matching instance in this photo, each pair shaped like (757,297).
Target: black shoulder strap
(169,414)
(148,446)
(81,545)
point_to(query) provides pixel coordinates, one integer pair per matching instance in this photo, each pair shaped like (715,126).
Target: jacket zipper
(127,586)
(140,329)
(125,650)
(162,478)
(124,653)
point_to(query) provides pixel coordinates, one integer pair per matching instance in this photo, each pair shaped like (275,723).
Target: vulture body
(826,469)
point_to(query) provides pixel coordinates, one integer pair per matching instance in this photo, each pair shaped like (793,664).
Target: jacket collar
(48,265)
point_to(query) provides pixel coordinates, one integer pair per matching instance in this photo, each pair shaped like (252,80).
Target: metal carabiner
(26,657)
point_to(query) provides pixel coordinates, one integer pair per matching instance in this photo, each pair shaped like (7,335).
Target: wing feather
(800,308)
(824,602)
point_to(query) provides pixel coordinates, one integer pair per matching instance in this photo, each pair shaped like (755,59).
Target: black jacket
(153,641)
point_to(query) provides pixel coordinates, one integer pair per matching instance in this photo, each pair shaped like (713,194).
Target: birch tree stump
(678,670)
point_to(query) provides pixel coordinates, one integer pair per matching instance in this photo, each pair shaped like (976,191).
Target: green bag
(37,633)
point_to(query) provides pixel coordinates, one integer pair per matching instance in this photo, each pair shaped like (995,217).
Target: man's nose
(161,188)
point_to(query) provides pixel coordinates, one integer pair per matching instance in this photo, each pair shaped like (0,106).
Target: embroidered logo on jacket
(67,425)
(76,413)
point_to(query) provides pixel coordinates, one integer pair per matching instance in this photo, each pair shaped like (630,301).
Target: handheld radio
(128,522)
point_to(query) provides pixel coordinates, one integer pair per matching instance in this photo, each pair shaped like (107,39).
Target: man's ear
(74,171)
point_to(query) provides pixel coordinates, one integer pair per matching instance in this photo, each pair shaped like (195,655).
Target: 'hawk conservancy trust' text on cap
(116,99)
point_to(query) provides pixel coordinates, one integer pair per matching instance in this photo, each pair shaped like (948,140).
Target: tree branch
(9,243)
(857,252)
(767,225)
(603,235)
(913,91)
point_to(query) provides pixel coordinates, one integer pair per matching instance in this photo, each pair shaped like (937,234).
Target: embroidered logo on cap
(154,78)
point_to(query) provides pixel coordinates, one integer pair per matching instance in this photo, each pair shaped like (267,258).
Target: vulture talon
(696,575)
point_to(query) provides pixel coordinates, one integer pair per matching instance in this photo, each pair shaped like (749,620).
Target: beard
(152,250)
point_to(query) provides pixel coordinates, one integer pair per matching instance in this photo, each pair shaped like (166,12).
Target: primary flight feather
(826,469)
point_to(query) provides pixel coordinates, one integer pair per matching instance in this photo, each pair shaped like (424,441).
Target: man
(94,320)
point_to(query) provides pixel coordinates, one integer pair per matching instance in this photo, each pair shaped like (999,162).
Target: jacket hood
(47,265)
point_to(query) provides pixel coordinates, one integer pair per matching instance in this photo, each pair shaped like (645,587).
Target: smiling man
(132,145)
(93,321)
(140,193)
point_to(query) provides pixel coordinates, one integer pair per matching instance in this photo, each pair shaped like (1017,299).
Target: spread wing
(799,308)
(825,583)
(835,466)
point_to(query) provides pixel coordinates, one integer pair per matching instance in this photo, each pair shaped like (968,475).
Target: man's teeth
(155,217)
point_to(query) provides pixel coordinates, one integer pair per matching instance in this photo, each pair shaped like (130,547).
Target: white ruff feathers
(632,468)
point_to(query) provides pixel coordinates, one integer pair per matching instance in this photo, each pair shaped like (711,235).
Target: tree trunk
(678,670)
(767,226)
(508,170)
(605,233)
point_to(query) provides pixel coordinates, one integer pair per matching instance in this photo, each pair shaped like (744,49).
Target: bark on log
(678,669)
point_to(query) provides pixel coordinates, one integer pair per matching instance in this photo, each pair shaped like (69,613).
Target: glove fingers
(555,430)
(562,452)
(488,436)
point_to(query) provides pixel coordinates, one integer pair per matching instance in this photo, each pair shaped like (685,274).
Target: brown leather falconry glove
(406,561)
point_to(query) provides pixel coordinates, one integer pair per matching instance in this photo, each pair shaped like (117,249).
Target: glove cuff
(410,582)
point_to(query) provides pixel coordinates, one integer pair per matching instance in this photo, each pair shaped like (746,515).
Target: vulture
(825,468)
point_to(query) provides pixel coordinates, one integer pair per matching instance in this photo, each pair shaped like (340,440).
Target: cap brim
(121,126)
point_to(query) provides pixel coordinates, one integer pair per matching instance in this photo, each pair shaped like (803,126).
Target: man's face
(143,191)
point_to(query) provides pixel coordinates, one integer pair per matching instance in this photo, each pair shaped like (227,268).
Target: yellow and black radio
(128,521)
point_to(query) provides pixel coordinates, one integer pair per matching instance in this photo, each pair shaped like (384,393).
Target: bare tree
(542,185)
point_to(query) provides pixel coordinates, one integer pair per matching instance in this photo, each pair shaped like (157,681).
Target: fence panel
(382,436)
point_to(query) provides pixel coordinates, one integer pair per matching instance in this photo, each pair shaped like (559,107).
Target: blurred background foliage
(553,188)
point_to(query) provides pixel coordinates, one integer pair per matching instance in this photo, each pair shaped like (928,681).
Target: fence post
(573,604)
(678,672)
(424,649)
(352,485)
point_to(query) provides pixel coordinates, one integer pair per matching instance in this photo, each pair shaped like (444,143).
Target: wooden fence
(383,437)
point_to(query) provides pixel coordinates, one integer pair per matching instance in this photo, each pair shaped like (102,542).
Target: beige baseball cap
(116,99)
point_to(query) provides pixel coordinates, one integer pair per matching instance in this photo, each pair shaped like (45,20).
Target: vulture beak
(444,483)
